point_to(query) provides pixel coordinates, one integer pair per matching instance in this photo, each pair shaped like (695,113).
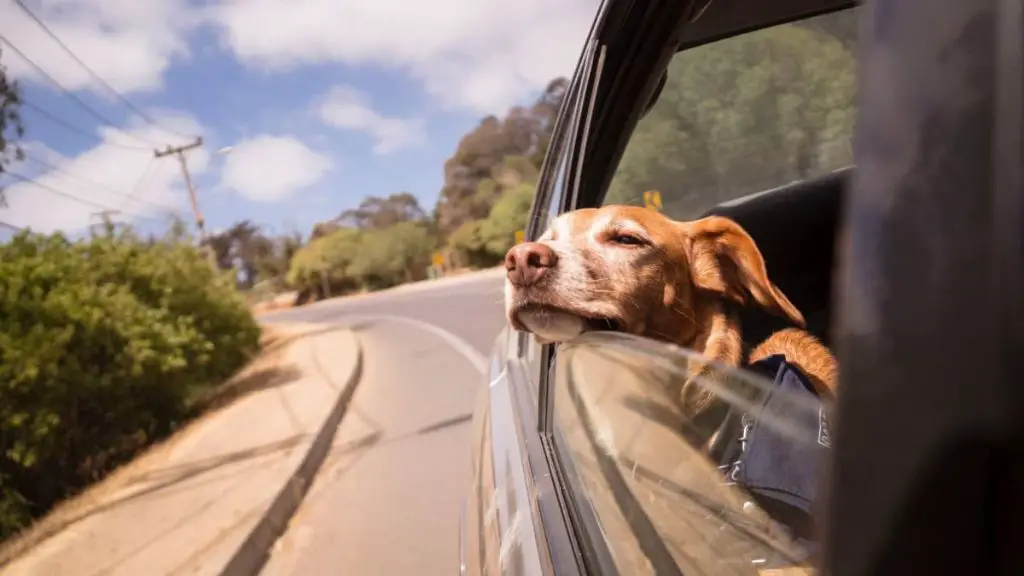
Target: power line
(11,226)
(95,185)
(92,112)
(148,174)
(124,100)
(49,188)
(57,120)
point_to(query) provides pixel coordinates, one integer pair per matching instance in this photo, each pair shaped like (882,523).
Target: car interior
(795,225)
(795,228)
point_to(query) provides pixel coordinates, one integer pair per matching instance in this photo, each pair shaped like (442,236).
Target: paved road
(387,499)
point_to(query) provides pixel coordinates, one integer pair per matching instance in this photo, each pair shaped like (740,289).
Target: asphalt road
(387,499)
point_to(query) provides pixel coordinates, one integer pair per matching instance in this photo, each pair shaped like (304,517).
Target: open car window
(743,115)
(735,118)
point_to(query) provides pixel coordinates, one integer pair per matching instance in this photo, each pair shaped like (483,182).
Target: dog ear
(725,260)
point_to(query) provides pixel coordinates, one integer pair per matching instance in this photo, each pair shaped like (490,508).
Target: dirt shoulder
(267,369)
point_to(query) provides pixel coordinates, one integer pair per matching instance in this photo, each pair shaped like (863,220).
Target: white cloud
(484,55)
(128,43)
(347,108)
(106,176)
(272,168)
(481,55)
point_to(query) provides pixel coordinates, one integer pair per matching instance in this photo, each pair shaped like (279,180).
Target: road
(386,501)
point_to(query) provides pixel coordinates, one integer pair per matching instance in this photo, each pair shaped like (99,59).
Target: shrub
(102,343)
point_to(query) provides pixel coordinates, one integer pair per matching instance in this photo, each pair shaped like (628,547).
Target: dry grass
(267,369)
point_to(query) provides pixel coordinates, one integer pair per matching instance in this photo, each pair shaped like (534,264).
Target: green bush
(481,243)
(102,343)
(390,256)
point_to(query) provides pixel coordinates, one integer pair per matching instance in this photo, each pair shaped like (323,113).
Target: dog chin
(552,326)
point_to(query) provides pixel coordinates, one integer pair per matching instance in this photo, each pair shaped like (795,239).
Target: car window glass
(551,187)
(551,198)
(533,349)
(665,503)
(742,115)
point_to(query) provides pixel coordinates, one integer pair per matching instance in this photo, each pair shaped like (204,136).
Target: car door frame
(844,539)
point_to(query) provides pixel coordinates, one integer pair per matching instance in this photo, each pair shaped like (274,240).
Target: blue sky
(322,102)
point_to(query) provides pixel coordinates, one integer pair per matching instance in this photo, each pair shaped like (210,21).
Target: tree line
(746,114)
(385,241)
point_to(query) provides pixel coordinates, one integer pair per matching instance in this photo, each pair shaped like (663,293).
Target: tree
(842,26)
(524,133)
(257,256)
(222,247)
(375,213)
(467,248)
(274,261)
(11,127)
(510,214)
(393,255)
(742,115)
(325,262)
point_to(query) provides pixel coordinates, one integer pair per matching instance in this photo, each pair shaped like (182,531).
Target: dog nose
(527,263)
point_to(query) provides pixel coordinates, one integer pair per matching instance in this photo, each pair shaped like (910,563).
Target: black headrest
(794,227)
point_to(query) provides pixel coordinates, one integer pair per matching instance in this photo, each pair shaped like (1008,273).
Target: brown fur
(806,353)
(677,282)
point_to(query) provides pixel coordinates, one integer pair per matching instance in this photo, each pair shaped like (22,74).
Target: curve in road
(387,499)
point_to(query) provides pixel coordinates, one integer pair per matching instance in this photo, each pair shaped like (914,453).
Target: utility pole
(104,216)
(178,152)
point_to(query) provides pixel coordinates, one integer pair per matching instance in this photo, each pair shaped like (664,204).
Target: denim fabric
(781,468)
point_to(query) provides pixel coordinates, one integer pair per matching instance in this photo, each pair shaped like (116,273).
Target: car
(904,253)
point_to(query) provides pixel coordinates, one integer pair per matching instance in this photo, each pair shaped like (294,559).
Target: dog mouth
(540,312)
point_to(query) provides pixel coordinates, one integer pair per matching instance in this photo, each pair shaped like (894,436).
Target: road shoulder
(207,498)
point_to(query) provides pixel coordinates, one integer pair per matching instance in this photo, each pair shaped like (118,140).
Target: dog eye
(626,239)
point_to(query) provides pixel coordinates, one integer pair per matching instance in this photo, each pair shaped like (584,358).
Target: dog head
(633,270)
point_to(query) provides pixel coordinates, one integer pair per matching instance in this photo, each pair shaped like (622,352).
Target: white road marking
(461,346)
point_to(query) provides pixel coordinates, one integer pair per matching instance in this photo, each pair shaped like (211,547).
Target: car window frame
(561,540)
(602,130)
(593,557)
(556,178)
(554,171)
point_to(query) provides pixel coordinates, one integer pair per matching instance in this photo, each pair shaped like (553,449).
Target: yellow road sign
(520,236)
(438,259)
(652,200)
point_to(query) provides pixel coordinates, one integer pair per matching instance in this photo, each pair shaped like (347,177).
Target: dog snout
(528,263)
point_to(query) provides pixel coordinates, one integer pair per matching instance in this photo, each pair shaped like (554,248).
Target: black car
(910,268)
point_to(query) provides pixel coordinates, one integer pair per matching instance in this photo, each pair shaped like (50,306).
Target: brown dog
(633,270)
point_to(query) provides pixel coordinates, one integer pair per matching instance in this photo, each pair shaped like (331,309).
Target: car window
(736,117)
(550,199)
(665,504)
(742,115)
(550,195)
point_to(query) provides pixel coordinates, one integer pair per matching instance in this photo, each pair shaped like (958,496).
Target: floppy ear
(725,260)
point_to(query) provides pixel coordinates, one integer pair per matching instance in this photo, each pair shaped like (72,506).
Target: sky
(305,107)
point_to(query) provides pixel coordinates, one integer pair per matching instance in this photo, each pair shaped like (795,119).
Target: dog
(633,270)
